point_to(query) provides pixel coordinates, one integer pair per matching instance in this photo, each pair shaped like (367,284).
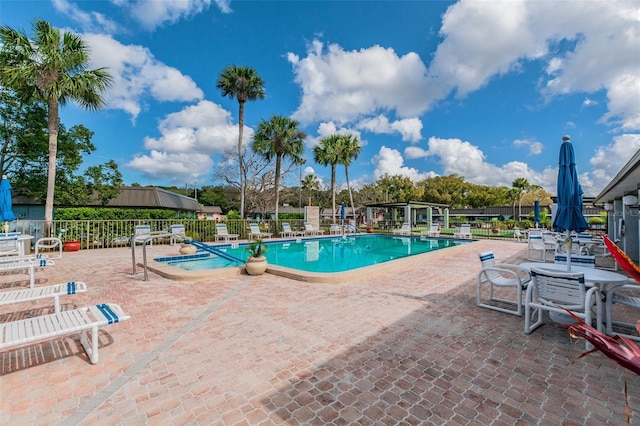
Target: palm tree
(350,150)
(244,84)
(51,68)
(309,184)
(520,186)
(329,152)
(280,138)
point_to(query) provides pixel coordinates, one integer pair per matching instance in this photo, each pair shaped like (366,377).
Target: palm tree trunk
(52,125)
(353,208)
(277,187)
(240,158)
(333,193)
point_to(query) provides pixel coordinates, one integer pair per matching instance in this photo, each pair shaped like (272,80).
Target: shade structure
(6,214)
(569,216)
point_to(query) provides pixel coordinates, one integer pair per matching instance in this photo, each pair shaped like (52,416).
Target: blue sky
(483,89)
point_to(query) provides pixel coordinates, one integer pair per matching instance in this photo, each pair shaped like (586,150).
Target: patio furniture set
(32,329)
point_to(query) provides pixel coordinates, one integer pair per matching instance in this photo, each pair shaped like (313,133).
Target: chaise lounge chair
(223,234)
(463,231)
(310,230)
(434,231)
(86,320)
(405,229)
(29,264)
(54,291)
(288,232)
(255,232)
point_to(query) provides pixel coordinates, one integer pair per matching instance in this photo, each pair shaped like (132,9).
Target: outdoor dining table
(604,280)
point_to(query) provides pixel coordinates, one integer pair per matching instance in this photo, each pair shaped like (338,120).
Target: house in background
(211,213)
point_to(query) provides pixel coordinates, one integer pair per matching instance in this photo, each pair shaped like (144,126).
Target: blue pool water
(323,254)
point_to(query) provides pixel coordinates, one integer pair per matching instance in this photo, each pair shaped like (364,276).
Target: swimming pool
(321,255)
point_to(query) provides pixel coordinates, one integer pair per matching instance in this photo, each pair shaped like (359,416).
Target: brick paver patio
(406,346)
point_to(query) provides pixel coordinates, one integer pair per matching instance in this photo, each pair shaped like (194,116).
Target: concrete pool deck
(406,345)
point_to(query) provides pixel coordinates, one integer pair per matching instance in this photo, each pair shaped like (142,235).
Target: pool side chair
(223,234)
(255,232)
(517,235)
(288,232)
(405,229)
(536,244)
(49,244)
(309,230)
(85,320)
(627,295)
(335,229)
(54,292)
(27,264)
(463,231)
(176,230)
(434,231)
(142,232)
(551,291)
(497,276)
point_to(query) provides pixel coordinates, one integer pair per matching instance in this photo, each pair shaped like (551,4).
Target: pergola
(410,211)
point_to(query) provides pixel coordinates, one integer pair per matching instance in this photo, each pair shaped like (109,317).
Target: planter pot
(188,249)
(71,245)
(256,265)
(496,230)
(369,230)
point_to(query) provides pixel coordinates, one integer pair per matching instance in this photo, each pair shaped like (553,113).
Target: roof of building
(210,209)
(625,182)
(152,197)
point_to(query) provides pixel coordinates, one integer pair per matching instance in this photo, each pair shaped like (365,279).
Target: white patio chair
(49,244)
(335,229)
(537,244)
(552,291)
(501,275)
(288,232)
(176,230)
(434,231)
(627,295)
(310,230)
(517,235)
(463,231)
(223,234)
(405,229)
(576,260)
(142,232)
(255,232)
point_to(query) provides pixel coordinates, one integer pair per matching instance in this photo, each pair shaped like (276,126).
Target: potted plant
(256,262)
(69,244)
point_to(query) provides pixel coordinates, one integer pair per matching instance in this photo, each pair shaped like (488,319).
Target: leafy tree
(310,184)
(520,186)
(244,84)
(397,188)
(226,197)
(279,138)
(350,150)
(329,152)
(51,68)
(451,190)
(105,181)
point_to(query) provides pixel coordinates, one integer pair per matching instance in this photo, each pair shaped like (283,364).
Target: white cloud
(390,162)
(485,39)
(331,128)
(409,128)
(189,138)
(89,21)
(342,86)
(608,160)
(589,102)
(137,75)
(153,13)
(534,147)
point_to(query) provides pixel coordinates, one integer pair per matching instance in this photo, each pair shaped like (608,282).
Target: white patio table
(604,280)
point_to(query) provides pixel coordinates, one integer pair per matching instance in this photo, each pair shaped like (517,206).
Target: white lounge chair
(86,320)
(434,231)
(54,291)
(335,229)
(576,260)
(537,244)
(11,246)
(499,276)
(463,231)
(405,229)
(255,232)
(177,230)
(223,234)
(310,230)
(288,232)
(49,244)
(28,264)
(142,232)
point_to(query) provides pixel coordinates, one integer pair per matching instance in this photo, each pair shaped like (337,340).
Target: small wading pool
(325,255)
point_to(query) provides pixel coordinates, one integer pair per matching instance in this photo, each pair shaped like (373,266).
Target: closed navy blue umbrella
(343,216)
(536,212)
(6,215)
(569,214)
